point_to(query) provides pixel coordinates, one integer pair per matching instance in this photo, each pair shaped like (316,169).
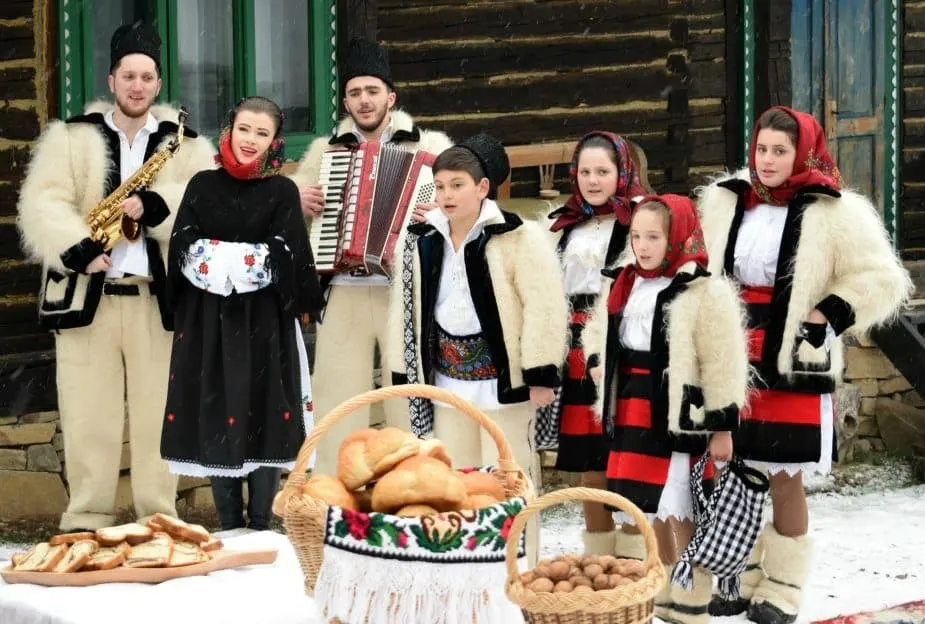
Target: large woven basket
(629,604)
(305,516)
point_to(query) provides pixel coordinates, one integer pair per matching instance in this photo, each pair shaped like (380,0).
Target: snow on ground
(868,530)
(869,541)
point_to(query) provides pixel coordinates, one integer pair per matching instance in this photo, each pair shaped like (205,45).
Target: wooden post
(762,56)
(733,125)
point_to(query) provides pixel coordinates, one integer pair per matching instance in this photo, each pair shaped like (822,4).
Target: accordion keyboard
(325,230)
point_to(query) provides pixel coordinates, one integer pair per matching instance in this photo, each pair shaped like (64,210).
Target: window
(213,53)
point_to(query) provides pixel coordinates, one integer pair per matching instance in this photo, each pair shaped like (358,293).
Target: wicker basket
(629,604)
(305,517)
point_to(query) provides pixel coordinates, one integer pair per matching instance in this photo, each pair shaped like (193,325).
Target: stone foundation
(33,470)
(877,408)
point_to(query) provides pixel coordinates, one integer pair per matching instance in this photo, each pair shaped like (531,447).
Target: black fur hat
(137,38)
(493,158)
(366,58)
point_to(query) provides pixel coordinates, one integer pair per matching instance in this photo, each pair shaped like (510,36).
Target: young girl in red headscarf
(675,374)
(813,261)
(593,224)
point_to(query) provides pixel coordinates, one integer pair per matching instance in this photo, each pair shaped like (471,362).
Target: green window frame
(75,53)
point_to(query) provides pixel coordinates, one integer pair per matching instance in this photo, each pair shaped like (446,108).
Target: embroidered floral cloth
(394,570)
(221,267)
(467,358)
(453,537)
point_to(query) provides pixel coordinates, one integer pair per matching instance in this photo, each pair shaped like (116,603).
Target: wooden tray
(221,560)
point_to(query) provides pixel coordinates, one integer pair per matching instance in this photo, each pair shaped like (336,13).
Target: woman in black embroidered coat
(240,274)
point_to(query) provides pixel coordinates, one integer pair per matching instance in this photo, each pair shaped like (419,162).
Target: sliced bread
(42,558)
(70,538)
(154,553)
(107,558)
(133,533)
(17,558)
(180,530)
(186,553)
(213,544)
(77,556)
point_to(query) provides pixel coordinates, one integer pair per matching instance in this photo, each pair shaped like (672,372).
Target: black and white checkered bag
(547,423)
(727,525)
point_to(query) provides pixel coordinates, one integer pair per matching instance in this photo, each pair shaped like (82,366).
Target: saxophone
(108,224)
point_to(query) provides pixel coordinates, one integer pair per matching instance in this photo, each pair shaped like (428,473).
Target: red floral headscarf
(813,165)
(576,209)
(685,244)
(265,166)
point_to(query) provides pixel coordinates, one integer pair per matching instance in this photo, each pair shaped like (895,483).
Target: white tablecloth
(263,594)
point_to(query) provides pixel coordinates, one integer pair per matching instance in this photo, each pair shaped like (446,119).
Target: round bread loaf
(436,449)
(367,456)
(483,483)
(419,481)
(351,462)
(411,511)
(477,501)
(331,491)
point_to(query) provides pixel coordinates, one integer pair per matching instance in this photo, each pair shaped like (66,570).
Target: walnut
(559,570)
(563,587)
(541,585)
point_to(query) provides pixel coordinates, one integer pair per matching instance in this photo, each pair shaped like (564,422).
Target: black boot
(229,501)
(262,486)
(724,607)
(766,613)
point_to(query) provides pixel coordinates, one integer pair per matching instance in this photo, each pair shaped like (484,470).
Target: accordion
(370,191)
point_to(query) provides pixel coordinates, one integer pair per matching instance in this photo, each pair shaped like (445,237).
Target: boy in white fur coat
(480,311)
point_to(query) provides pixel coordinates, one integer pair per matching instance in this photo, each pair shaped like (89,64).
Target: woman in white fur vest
(813,261)
(675,373)
(591,227)
(112,330)
(479,311)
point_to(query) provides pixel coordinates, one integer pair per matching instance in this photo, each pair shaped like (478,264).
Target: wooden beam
(51,64)
(733,124)
(762,56)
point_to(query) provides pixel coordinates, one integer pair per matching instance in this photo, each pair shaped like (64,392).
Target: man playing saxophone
(104,298)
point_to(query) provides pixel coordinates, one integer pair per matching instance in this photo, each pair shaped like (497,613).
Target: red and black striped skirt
(641,451)
(776,425)
(582,444)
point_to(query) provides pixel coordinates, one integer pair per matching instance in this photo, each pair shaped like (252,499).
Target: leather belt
(124,290)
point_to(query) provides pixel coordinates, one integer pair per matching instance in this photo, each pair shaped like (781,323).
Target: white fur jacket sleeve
(50,220)
(721,353)
(538,281)
(869,283)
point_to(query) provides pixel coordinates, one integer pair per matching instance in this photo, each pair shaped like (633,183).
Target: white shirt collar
(489,212)
(386,134)
(151,124)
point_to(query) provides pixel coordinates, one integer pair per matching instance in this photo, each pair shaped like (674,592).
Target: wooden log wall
(780,81)
(528,72)
(26,369)
(912,173)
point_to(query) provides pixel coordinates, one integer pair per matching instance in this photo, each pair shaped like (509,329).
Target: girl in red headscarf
(813,261)
(675,375)
(593,226)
